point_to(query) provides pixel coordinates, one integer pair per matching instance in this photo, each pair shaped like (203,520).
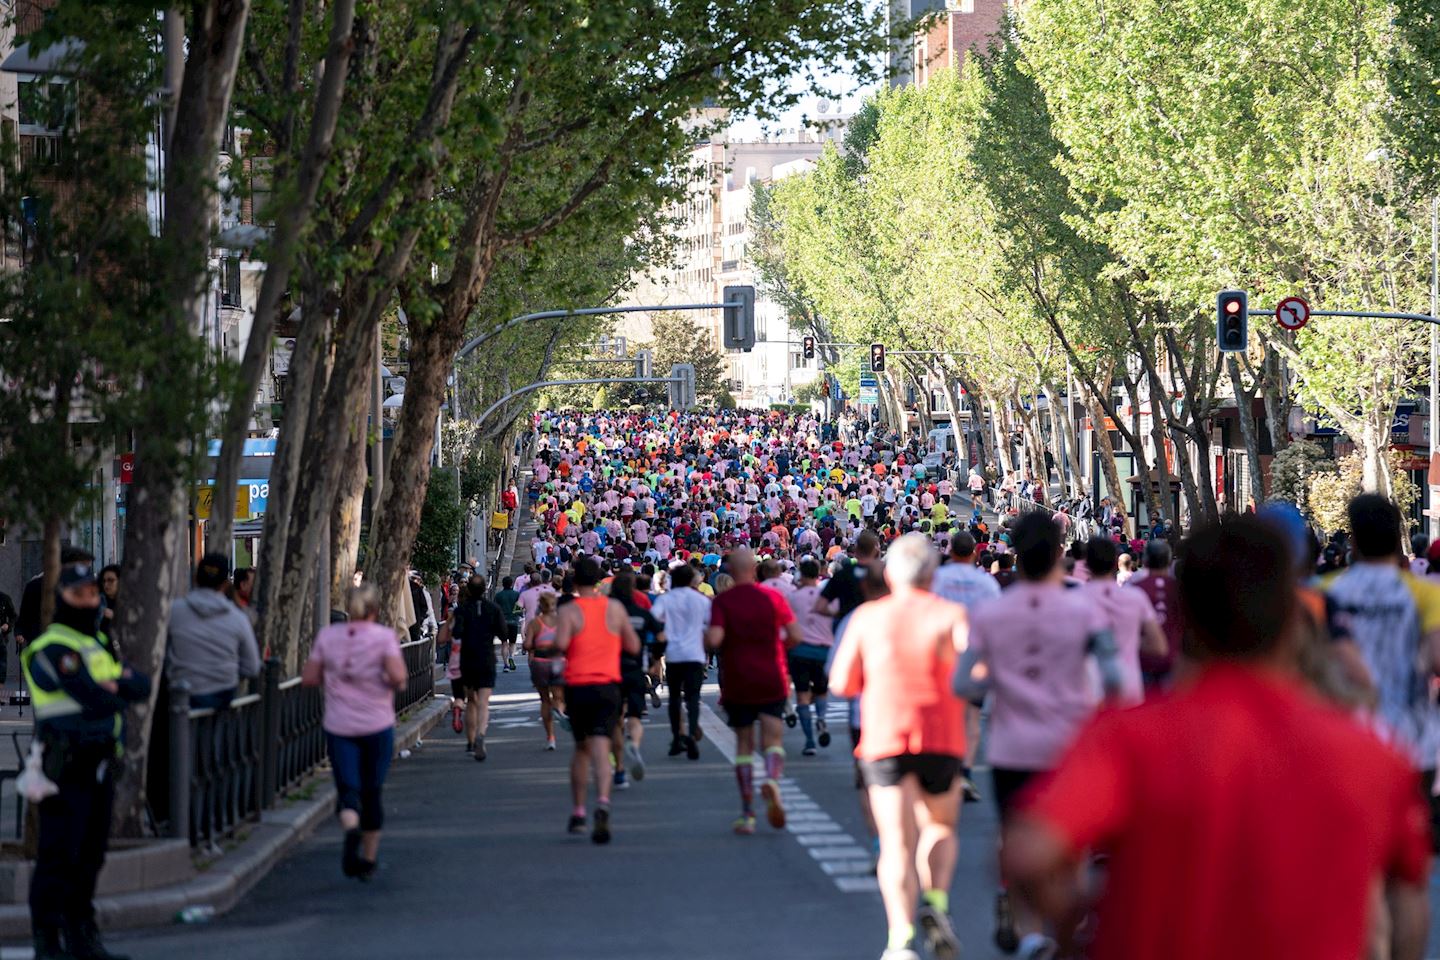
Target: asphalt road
(476,862)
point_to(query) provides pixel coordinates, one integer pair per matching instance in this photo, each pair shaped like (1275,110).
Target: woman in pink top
(360,665)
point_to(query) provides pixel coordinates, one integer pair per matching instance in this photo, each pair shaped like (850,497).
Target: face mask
(84,620)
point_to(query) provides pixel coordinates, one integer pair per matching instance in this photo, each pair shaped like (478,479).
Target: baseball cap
(76,574)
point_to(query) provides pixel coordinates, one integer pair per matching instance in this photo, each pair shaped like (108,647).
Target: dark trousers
(684,680)
(74,834)
(360,765)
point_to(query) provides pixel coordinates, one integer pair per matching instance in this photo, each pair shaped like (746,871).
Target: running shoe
(1038,947)
(699,734)
(600,833)
(969,790)
(563,720)
(692,749)
(365,871)
(809,750)
(822,731)
(511,664)
(350,858)
(940,939)
(900,953)
(480,748)
(676,747)
(550,744)
(774,806)
(1005,937)
(457,719)
(654,695)
(576,826)
(791,717)
(637,762)
(621,783)
(744,825)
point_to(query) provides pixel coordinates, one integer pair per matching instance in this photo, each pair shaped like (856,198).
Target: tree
(440,526)
(677,338)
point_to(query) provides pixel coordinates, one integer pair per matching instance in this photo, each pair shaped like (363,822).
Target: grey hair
(911,560)
(362,602)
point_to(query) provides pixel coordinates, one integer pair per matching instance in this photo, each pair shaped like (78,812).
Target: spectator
(425,624)
(7,626)
(244,583)
(27,622)
(211,643)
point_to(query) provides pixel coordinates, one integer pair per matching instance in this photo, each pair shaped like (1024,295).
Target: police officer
(80,692)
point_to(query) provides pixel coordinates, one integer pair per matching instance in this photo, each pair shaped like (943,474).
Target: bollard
(180,760)
(269,779)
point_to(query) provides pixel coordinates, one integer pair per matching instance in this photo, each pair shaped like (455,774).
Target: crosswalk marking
(840,856)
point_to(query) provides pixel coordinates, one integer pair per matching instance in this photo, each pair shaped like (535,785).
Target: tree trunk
(155,517)
(1277,400)
(1062,416)
(345,390)
(1000,427)
(1143,469)
(347,511)
(290,222)
(1244,403)
(1107,457)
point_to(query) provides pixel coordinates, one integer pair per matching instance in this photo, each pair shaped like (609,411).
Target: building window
(46,105)
(230,281)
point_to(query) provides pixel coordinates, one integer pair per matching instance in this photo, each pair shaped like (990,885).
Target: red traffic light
(1232,306)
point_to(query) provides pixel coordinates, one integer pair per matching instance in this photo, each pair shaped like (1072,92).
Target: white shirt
(964,583)
(685,613)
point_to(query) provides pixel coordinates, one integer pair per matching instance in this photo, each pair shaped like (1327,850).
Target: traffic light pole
(1369,314)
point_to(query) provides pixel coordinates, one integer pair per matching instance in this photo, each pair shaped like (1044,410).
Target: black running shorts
(593,709)
(936,772)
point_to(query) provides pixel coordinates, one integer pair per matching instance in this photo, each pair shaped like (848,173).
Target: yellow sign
(500,520)
(205,498)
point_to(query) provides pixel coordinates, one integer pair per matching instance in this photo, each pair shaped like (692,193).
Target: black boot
(84,942)
(47,945)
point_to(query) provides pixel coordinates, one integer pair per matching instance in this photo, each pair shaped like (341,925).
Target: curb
(224,884)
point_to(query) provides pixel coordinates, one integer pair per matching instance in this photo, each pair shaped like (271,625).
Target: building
(954,28)
(712,240)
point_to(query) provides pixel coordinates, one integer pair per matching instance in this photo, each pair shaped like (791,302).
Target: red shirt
(752,656)
(1244,819)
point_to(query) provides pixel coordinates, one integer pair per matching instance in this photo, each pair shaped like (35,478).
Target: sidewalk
(260,848)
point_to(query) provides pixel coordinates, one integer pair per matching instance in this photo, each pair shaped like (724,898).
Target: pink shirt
(359,700)
(1034,637)
(1127,611)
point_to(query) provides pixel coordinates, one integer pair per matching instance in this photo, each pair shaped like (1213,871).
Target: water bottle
(198,913)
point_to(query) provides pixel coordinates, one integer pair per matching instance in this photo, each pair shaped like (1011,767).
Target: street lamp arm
(495,331)
(540,385)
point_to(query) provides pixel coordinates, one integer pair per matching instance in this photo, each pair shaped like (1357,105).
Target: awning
(58,58)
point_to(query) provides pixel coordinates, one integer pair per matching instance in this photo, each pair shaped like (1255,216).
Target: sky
(843,82)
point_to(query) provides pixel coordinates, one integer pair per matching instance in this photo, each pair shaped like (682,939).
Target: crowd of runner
(1239,755)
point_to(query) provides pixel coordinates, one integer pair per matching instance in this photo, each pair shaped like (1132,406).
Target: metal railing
(224,767)
(419,673)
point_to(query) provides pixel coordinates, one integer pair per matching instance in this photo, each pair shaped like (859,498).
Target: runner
(685,613)
(592,631)
(1035,644)
(507,598)
(911,743)
(746,625)
(1159,584)
(1233,776)
(478,624)
(807,659)
(961,581)
(1131,618)
(547,666)
(633,689)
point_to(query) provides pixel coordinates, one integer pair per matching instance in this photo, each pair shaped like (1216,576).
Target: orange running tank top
(594,654)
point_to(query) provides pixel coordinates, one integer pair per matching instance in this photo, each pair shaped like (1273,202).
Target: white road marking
(843,858)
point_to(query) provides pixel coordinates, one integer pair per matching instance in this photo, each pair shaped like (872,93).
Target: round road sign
(1292,313)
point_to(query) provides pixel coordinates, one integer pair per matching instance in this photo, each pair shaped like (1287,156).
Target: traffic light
(643,366)
(808,345)
(1232,321)
(739,319)
(681,389)
(877,358)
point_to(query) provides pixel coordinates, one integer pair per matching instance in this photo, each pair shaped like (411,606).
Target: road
(476,862)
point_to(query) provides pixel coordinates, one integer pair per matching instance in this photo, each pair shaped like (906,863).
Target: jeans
(684,680)
(360,765)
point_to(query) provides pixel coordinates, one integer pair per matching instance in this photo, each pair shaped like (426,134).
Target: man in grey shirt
(211,642)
